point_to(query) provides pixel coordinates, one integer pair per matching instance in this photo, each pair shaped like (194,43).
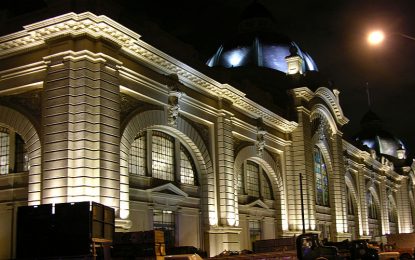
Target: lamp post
(378,36)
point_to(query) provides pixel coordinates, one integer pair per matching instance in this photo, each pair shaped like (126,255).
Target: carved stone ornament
(260,138)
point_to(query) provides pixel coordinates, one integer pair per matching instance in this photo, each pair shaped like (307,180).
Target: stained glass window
(322,180)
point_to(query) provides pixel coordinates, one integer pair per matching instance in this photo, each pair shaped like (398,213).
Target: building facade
(90,112)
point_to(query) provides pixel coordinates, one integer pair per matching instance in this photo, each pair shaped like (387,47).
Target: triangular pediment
(258,204)
(168,188)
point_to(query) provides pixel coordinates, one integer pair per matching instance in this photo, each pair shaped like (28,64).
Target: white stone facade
(80,89)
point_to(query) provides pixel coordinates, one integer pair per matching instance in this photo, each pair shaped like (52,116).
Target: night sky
(332,32)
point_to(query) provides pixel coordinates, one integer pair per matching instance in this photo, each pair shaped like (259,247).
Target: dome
(259,49)
(376,138)
(257,44)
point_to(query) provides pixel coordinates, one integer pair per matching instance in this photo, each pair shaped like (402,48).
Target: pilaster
(80,120)
(402,202)
(361,186)
(338,207)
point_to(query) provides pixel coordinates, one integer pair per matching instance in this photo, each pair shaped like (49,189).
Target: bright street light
(375,37)
(378,36)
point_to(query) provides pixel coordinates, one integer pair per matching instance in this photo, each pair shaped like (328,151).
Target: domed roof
(259,49)
(257,44)
(375,137)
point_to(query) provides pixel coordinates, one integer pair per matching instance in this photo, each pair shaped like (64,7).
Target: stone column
(362,190)
(300,162)
(339,206)
(81,130)
(225,155)
(226,235)
(403,206)
(383,200)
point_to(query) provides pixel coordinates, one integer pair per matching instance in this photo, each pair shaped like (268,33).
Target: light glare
(376,37)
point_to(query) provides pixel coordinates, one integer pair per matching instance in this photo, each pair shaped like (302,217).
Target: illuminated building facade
(90,112)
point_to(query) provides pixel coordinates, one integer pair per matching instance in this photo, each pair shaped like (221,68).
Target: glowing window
(322,180)
(254,230)
(137,159)
(252,179)
(4,151)
(162,156)
(187,172)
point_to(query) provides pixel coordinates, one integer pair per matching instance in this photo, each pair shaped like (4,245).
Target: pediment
(168,188)
(257,204)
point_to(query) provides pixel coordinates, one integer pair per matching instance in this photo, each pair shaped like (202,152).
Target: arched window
(391,211)
(169,159)
(13,154)
(253,181)
(349,200)
(322,180)
(371,207)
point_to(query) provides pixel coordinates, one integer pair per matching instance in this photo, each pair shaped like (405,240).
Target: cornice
(37,34)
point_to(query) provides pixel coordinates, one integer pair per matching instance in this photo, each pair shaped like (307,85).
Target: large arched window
(322,179)
(13,154)
(349,200)
(391,211)
(161,156)
(253,181)
(371,207)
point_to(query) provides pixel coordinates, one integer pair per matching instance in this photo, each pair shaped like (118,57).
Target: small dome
(257,44)
(374,137)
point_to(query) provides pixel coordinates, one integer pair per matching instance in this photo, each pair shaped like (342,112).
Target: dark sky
(332,32)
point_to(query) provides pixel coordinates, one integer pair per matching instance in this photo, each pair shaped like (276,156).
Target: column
(361,186)
(403,206)
(339,206)
(81,119)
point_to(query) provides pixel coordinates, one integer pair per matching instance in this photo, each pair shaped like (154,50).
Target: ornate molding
(37,34)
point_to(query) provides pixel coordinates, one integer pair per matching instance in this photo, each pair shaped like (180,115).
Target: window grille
(252,178)
(322,181)
(162,156)
(254,230)
(137,160)
(164,220)
(187,172)
(4,151)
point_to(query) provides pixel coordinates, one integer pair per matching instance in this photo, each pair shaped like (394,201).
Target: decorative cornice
(333,102)
(304,93)
(37,34)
